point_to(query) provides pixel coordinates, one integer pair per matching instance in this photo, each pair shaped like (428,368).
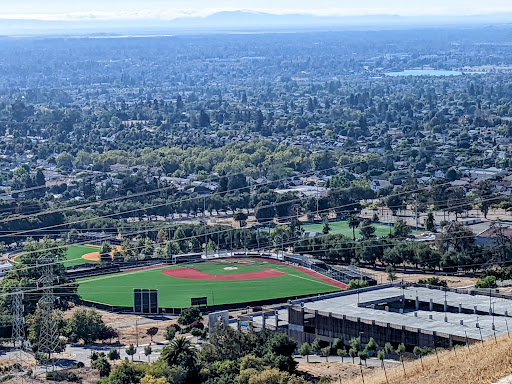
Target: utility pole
(416,211)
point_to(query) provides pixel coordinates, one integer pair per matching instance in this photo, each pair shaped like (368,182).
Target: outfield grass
(74,254)
(117,289)
(342,228)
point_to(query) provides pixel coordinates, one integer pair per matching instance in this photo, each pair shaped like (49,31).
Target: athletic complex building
(413,315)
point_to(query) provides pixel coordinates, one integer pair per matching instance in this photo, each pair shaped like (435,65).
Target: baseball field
(226,281)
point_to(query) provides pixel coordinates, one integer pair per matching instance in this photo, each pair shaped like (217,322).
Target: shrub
(196,332)
(486,282)
(197,324)
(170,333)
(63,376)
(113,354)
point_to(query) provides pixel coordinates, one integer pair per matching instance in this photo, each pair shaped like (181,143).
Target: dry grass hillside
(482,364)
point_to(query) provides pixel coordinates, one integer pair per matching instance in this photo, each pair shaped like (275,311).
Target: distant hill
(236,21)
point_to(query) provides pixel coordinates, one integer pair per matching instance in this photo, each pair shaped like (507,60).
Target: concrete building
(414,315)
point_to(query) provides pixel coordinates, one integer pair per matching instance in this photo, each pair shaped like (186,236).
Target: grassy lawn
(74,254)
(341,227)
(175,292)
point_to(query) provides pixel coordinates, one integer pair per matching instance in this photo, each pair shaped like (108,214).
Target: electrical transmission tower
(18,320)
(49,333)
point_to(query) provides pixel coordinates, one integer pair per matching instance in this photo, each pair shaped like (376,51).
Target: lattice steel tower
(49,333)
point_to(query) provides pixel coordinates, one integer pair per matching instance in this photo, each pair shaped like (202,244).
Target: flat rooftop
(359,305)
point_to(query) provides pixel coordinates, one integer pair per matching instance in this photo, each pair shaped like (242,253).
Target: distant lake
(424,72)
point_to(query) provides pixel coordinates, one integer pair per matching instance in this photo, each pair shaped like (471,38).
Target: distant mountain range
(239,21)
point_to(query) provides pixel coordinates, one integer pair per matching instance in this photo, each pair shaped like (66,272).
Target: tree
(170,333)
(113,354)
(131,350)
(419,353)
(326,352)
(240,217)
(452,174)
(388,347)
(86,325)
(353,353)
(147,351)
(316,345)
(305,350)
(367,230)
(391,273)
(189,315)
(103,366)
(395,203)
(353,223)
(457,202)
(400,350)
(381,356)
(363,356)
(455,237)
(264,212)
(326,228)
(105,250)
(372,346)
(430,223)
(26,274)
(357,284)
(337,344)
(150,379)
(341,353)
(126,373)
(484,193)
(151,332)
(35,323)
(180,352)
(486,282)
(401,230)
(203,119)
(65,161)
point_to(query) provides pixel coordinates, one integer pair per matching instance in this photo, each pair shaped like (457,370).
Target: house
(488,236)
(377,185)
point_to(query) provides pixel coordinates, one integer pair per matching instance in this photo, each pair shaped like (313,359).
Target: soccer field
(230,281)
(342,228)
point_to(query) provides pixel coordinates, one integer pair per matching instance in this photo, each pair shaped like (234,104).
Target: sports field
(229,281)
(342,228)
(74,254)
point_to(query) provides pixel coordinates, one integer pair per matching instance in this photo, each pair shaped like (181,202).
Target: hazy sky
(140,9)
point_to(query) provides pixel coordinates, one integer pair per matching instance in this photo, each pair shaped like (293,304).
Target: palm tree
(180,352)
(353,222)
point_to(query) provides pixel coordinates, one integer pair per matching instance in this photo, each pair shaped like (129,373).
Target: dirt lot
(88,375)
(125,324)
(453,281)
(339,372)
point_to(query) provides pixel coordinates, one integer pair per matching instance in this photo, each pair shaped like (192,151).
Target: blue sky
(144,9)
